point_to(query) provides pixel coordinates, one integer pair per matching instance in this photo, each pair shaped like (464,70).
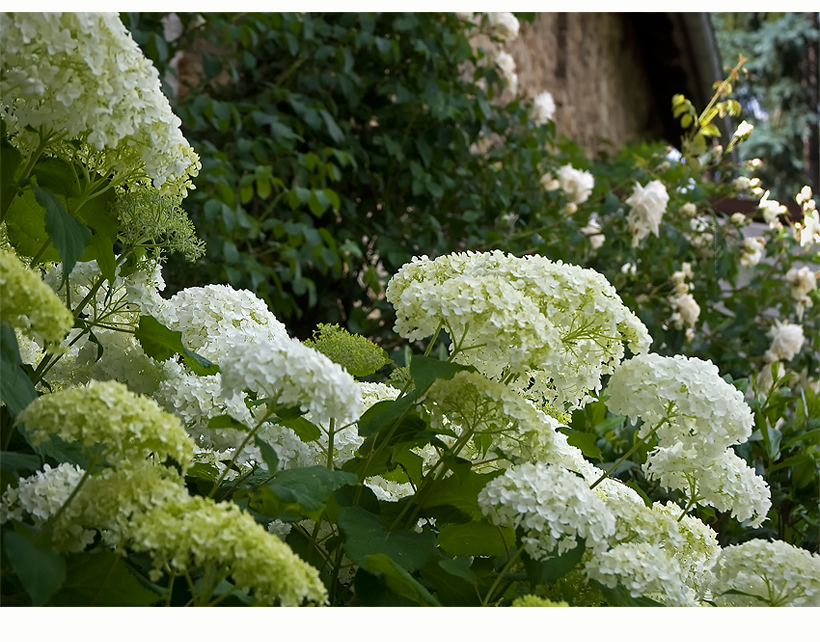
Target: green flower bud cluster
(356,354)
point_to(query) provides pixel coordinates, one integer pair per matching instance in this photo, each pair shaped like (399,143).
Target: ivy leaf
(41,571)
(101,578)
(69,235)
(162,343)
(16,389)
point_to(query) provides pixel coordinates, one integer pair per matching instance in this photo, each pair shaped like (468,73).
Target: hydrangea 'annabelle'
(29,304)
(82,73)
(554,507)
(648,205)
(558,326)
(771,573)
(291,374)
(129,427)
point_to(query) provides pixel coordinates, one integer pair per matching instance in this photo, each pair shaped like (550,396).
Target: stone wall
(591,64)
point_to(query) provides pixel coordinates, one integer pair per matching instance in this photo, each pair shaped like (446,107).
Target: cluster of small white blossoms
(41,496)
(472,403)
(743,184)
(592,230)
(575,183)
(291,374)
(506,63)
(696,417)
(754,249)
(128,427)
(30,305)
(648,206)
(701,237)
(771,210)
(552,505)
(801,281)
(543,108)
(197,532)
(503,25)
(558,326)
(809,229)
(787,340)
(769,573)
(642,569)
(685,310)
(83,74)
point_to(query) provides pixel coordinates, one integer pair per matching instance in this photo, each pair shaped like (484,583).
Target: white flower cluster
(576,184)
(82,73)
(291,374)
(771,210)
(696,417)
(809,230)
(801,281)
(702,237)
(642,569)
(685,309)
(648,205)
(503,25)
(543,108)
(506,63)
(769,573)
(754,249)
(41,496)
(592,231)
(787,340)
(554,506)
(559,326)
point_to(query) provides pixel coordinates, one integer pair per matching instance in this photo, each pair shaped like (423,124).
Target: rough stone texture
(591,65)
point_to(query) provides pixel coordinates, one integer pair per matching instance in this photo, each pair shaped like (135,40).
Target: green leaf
(460,490)
(476,539)
(585,441)
(57,176)
(68,234)
(332,128)
(304,429)
(10,160)
(26,226)
(424,151)
(399,581)
(16,389)
(380,416)
(161,343)
(548,571)
(41,571)
(453,582)
(226,421)
(18,461)
(101,578)
(304,491)
(425,370)
(269,455)
(101,250)
(366,534)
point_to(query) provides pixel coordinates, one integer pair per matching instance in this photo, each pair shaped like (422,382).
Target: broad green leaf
(550,570)
(400,581)
(304,429)
(226,421)
(332,128)
(366,534)
(101,578)
(425,370)
(18,461)
(57,176)
(453,581)
(380,416)
(10,160)
(26,226)
(96,213)
(476,539)
(304,491)
(101,250)
(161,343)
(268,453)
(68,234)
(585,441)
(41,570)
(460,491)
(410,462)
(16,389)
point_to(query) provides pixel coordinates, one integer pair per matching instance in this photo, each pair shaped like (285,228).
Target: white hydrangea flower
(558,326)
(771,210)
(708,414)
(215,319)
(506,63)
(503,25)
(82,73)
(648,205)
(725,481)
(41,496)
(291,374)
(543,108)
(554,506)
(388,490)
(754,248)
(787,340)
(642,569)
(576,184)
(771,573)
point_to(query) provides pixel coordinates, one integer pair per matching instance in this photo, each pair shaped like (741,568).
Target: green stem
(53,519)
(487,599)
(331,433)
(244,443)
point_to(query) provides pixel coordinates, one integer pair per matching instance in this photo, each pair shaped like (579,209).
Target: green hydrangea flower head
(30,305)
(534,600)
(127,427)
(356,354)
(147,215)
(197,532)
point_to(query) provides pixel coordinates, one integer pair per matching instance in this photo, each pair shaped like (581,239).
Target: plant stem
(244,443)
(487,599)
(331,433)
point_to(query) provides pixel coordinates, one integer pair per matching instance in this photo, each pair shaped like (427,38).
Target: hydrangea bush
(189,451)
